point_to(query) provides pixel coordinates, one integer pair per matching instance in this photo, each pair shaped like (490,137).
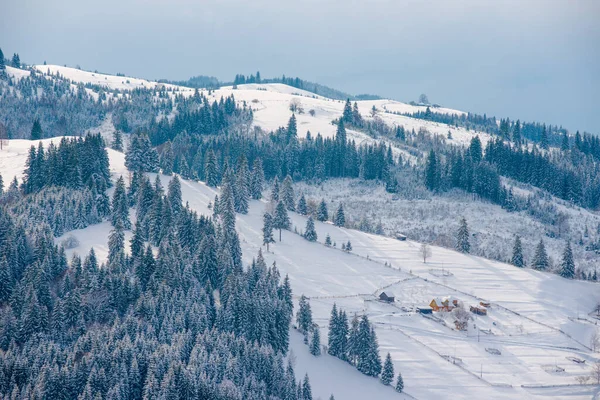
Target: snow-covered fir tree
(540,259)
(399,383)
(387,374)
(322,213)
(304,316)
(310,233)
(267,230)
(340,218)
(301,207)
(120,206)
(281,220)
(117,140)
(463,243)
(315,342)
(567,265)
(275,190)
(328,240)
(258,179)
(287,194)
(517,255)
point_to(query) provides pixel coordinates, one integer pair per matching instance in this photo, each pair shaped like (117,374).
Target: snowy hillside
(271,104)
(537,321)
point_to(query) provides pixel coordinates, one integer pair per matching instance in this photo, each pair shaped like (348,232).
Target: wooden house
(388,297)
(447,303)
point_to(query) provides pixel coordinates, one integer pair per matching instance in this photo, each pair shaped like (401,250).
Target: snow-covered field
(434,218)
(532,320)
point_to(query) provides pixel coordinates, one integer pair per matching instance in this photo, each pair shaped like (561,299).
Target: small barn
(400,237)
(424,310)
(478,310)
(388,297)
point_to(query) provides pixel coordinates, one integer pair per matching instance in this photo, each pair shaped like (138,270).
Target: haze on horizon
(534,60)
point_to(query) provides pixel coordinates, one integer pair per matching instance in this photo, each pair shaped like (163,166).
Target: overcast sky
(534,60)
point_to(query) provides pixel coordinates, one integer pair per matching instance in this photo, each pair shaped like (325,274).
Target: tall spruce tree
(517,255)
(304,316)
(463,243)
(399,383)
(322,213)
(281,219)
(340,218)
(275,190)
(117,140)
(287,194)
(315,342)
(267,230)
(567,265)
(310,233)
(432,172)
(120,205)
(36,130)
(301,208)
(242,187)
(211,172)
(540,259)
(387,375)
(258,179)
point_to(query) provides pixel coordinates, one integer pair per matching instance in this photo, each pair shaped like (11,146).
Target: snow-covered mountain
(537,323)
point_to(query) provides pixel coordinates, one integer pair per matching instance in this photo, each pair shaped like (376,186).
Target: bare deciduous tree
(595,340)
(596,372)
(425,252)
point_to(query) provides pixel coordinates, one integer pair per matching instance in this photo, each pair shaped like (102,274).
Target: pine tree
(117,142)
(517,133)
(116,247)
(399,383)
(322,214)
(333,337)
(267,230)
(275,190)
(167,160)
(328,240)
(36,130)
(16,61)
(242,187)
(301,208)
(540,259)
(1,185)
(475,150)
(432,172)
(304,315)
(348,246)
(210,169)
(287,194)
(292,129)
(174,195)
(340,219)
(462,237)
(347,114)
(258,179)
(567,269)
(564,146)
(309,232)
(315,342)
(387,376)
(306,390)
(120,205)
(544,138)
(517,256)
(281,220)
